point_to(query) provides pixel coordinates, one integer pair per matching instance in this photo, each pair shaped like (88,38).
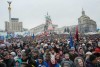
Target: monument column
(9,9)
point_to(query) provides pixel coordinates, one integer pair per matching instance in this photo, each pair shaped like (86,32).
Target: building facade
(86,24)
(14,25)
(47,27)
(66,29)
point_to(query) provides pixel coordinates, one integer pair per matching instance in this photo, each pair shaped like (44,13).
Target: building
(86,24)
(47,27)
(13,26)
(66,29)
(38,29)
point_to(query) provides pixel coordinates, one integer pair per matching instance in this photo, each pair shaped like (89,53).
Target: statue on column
(48,25)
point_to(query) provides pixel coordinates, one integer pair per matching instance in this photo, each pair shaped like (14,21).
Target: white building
(65,29)
(14,25)
(86,24)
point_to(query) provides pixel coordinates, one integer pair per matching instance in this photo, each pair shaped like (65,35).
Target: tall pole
(9,8)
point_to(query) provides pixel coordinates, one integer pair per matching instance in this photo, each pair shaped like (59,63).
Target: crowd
(50,51)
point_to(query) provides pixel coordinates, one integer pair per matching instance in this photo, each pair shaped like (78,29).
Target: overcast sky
(63,12)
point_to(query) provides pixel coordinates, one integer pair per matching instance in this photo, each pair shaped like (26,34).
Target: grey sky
(62,12)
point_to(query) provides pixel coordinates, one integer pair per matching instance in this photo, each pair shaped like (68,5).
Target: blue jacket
(44,64)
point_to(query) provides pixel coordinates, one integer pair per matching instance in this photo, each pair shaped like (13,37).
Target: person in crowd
(97,59)
(87,56)
(50,51)
(7,60)
(53,63)
(61,54)
(58,58)
(91,61)
(81,52)
(66,64)
(79,62)
(24,58)
(72,54)
(67,59)
(12,55)
(2,64)
(35,55)
(97,49)
(17,63)
(47,58)
(41,63)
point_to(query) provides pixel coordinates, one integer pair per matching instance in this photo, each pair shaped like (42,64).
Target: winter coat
(2,65)
(89,63)
(44,64)
(9,62)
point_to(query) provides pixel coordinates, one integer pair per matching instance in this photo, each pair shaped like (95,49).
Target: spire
(83,12)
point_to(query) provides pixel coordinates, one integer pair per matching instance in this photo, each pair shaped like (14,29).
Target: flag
(33,36)
(8,36)
(71,41)
(1,37)
(76,35)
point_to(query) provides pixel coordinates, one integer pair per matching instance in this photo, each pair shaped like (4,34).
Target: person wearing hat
(87,55)
(91,61)
(7,60)
(81,52)
(72,53)
(12,55)
(26,58)
(45,46)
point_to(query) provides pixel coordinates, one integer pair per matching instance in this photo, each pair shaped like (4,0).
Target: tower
(83,12)
(13,25)
(9,9)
